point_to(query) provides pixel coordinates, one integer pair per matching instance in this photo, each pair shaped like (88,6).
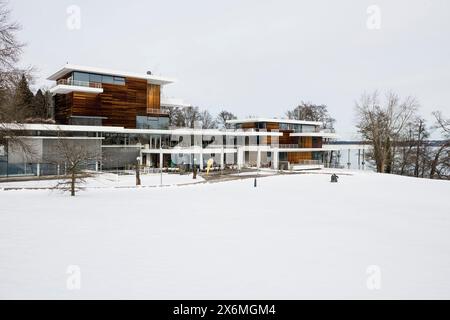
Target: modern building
(124,117)
(300,142)
(95,96)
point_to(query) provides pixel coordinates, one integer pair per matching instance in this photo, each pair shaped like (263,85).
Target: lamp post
(138,177)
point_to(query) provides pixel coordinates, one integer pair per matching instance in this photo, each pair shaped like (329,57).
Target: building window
(308,128)
(97,78)
(81,76)
(144,122)
(108,79)
(119,80)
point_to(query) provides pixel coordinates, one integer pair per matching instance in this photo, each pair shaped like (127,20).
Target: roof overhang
(274,120)
(315,134)
(64,88)
(70,68)
(180,132)
(173,102)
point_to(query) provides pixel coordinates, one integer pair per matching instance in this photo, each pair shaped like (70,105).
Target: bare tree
(442,124)
(10,47)
(176,118)
(312,112)
(10,75)
(207,120)
(381,125)
(74,156)
(223,117)
(190,115)
(440,162)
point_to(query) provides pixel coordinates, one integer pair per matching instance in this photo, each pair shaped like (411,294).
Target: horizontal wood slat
(120,104)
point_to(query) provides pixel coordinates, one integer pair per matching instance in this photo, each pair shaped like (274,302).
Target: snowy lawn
(296,236)
(110,180)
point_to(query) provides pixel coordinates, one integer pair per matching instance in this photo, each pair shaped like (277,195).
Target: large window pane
(95,78)
(308,128)
(108,79)
(81,76)
(119,80)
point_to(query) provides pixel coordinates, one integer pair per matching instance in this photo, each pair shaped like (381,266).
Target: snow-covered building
(124,117)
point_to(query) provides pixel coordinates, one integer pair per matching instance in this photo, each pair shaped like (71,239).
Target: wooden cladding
(119,104)
(297,157)
(153,98)
(305,142)
(63,105)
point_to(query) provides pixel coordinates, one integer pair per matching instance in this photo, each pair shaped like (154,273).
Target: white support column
(275,156)
(160,165)
(240,157)
(140,157)
(38,169)
(201,158)
(96,165)
(147,160)
(222,159)
(258,159)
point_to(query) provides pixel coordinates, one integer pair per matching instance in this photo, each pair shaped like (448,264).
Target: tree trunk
(435,161)
(72,184)
(416,167)
(389,157)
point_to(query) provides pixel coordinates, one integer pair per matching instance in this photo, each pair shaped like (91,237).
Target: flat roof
(71,67)
(291,121)
(178,131)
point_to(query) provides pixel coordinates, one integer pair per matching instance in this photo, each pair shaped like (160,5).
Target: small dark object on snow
(334,178)
(255,183)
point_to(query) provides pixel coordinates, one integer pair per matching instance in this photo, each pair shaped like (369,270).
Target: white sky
(254,57)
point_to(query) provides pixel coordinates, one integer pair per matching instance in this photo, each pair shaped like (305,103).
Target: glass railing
(157,111)
(70,82)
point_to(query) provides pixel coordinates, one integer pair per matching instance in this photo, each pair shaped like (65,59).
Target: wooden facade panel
(63,109)
(297,157)
(120,104)
(153,97)
(272,126)
(286,138)
(85,104)
(249,125)
(306,142)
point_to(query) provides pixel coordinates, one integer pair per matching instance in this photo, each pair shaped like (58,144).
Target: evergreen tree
(41,105)
(23,99)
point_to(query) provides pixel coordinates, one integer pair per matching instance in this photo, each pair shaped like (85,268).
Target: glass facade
(86,121)
(97,78)
(298,127)
(144,122)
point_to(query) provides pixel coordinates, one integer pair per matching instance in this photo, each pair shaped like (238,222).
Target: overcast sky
(255,58)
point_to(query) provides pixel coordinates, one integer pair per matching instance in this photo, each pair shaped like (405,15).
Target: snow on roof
(178,131)
(291,121)
(70,67)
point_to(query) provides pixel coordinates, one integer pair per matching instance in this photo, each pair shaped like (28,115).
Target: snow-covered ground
(110,180)
(294,236)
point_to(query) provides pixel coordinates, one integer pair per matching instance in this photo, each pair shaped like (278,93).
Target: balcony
(157,111)
(323,134)
(64,86)
(173,102)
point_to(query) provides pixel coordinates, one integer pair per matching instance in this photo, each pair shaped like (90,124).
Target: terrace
(64,86)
